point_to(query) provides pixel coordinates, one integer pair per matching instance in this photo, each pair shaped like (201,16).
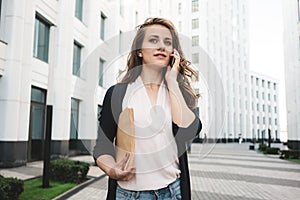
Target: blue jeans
(171,192)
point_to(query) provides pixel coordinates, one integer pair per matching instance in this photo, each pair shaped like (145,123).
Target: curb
(77,188)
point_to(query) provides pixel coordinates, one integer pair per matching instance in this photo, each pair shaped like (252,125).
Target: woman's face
(157,46)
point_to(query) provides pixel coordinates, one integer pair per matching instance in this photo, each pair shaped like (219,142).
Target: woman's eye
(168,43)
(153,40)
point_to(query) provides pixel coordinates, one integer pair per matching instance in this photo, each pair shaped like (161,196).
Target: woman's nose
(161,46)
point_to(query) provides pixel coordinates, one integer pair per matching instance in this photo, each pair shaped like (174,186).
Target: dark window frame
(76,63)
(41,51)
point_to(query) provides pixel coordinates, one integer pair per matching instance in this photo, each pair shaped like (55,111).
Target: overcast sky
(266,45)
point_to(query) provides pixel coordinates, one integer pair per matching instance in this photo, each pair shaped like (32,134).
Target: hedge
(10,188)
(262,147)
(290,154)
(272,150)
(68,170)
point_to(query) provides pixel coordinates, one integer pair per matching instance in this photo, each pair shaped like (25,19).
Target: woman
(156,85)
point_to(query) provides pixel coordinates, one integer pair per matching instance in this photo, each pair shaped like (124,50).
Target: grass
(293,160)
(33,190)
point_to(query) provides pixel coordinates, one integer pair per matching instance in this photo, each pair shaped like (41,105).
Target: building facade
(220,50)
(65,54)
(291,19)
(264,104)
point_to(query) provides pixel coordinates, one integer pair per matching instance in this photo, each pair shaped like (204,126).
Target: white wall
(292,67)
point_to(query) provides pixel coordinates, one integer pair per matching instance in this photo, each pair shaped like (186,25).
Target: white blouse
(155,158)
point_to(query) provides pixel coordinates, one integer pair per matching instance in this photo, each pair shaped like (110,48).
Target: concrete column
(60,76)
(14,98)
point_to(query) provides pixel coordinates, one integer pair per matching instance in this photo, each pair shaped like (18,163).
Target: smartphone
(172,60)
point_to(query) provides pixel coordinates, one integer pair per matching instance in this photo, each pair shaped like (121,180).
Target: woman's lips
(159,55)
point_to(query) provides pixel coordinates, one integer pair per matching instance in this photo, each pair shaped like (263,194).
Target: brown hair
(185,71)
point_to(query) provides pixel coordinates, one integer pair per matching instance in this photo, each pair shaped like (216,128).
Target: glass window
(76,59)
(275,121)
(38,123)
(269,97)
(257,107)
(264,108)
(275,98)
(122,4)
(78,9)
(179,8)
(263,83)
(41,39)
(195,5)
(0,8)
(275,109)
(270,121)
(195,57)
(195,23)
(38,95)
(195,41)
(269,84)
(258,119)
(101,67)
(37,113)
(102,26)
(274,86)
(74,118)
(298,10)
(256,81)
(179,26)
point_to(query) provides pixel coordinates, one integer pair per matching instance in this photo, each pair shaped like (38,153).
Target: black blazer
(112,107)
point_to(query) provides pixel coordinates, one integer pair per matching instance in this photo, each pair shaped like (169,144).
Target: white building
(55,53)
(264,104)
(291,16)
(219,32)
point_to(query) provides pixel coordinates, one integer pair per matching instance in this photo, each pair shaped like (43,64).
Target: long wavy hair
(186,73)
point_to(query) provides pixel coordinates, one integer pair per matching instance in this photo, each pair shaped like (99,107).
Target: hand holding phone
(172,59)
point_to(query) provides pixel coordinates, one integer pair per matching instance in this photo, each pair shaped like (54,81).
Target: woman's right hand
(118,171)
(115,170)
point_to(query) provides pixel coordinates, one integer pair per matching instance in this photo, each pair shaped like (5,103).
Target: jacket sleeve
(107,128)
(184,135)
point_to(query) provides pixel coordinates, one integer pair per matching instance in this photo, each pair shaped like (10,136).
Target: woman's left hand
(172,71)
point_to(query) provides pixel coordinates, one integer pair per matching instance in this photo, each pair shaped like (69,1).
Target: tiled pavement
(220,171)
(231,171)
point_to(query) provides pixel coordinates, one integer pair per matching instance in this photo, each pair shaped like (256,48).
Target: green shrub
(10,188)
(290,154)
(68,170)
(272,150)
(262,147)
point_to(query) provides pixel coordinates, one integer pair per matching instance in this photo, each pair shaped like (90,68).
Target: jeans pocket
(122,194)
(176,190)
